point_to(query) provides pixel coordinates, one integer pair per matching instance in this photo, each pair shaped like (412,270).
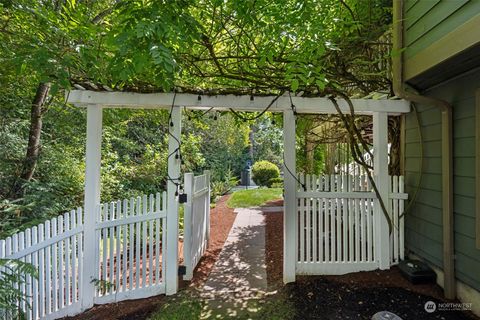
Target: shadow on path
(238,282)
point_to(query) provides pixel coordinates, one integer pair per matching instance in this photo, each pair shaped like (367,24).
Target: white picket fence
(55,248)
(337,223)
(196,220)
(130,246)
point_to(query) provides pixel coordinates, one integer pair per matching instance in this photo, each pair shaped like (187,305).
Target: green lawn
(253,197)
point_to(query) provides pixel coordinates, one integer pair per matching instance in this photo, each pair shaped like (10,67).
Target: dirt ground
(221,221)
(352,296)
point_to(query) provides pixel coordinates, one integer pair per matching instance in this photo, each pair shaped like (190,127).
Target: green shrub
(263,171)
(275,183)
(222,185)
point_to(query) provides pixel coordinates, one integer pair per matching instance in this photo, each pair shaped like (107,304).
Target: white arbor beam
(171,273)
(311,105)
(290,200)
(380,169)
(91,203)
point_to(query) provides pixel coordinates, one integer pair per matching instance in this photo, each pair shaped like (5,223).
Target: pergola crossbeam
(308,105)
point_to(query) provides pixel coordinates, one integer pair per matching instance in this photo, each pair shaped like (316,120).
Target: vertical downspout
(447,152)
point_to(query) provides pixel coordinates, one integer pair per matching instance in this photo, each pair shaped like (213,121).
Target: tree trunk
(33,148)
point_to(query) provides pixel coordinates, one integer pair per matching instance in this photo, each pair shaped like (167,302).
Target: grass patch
(179,307)
(253,197)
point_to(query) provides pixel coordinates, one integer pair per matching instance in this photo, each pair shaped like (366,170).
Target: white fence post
(171,274)
(187,225)
(380,168)
(207,206)
(91,202)
(290,204)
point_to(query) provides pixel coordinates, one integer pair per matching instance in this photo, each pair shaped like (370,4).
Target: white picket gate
(196,220)
(336,224)
(131,238)
(130,246)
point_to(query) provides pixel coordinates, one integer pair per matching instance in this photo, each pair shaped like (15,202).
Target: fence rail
(196,220)
(336,224)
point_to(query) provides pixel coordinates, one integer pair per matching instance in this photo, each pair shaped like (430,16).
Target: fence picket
(333,217)
(344,202)
(41,271)
(308,226)
(29,284)
(401,220)
(395,220)
(131,248)
(118,243)
(314,213)
(21,247)
(157,240)
(301,213)
(144,242)
(80,252)
(137,247)
(67,253)
(73,256)
(104,252)
(338,203)
(164,236)
(111,246)
(124,246)
(48,283)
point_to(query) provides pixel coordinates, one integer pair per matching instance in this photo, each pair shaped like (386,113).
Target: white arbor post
(380,169)
(290,201)
(171,272)
(187,225)
(91,203)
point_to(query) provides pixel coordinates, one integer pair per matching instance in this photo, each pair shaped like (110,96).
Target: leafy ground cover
(253,197)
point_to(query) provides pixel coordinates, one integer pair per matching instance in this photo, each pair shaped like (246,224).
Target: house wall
(423,224)
(427,21)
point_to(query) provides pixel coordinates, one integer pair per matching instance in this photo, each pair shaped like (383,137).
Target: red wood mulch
(221,221)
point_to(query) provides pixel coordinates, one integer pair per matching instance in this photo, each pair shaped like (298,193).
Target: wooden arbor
(95,102)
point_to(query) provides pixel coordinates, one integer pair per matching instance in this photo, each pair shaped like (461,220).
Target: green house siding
(423,225)
(426,21)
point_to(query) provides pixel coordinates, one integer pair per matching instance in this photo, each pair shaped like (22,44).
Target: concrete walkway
(238,279)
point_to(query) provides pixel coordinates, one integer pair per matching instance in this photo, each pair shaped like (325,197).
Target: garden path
(238,281)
